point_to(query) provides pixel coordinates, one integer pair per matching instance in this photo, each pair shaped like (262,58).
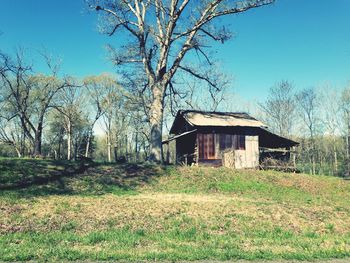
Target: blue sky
(304,41)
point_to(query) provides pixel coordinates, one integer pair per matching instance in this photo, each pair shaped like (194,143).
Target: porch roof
(178,136)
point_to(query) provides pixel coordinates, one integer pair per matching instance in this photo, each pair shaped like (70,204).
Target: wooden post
(294,158)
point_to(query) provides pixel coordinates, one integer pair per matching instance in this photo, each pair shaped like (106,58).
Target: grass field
(74,211)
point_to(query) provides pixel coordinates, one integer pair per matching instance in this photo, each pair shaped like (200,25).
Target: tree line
(50,115)
(163,64)
(318,118)
(55,115)
(155,58)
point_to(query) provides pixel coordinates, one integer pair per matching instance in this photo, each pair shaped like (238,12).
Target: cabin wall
(185,150)
(235,158)
(248,158)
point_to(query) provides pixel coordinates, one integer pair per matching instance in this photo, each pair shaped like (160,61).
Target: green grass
(175,245)
(145,212)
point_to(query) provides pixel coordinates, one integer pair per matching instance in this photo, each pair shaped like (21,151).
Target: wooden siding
(231,150)
(248,158)
(213,149)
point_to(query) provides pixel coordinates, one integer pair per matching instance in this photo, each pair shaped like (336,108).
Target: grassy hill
(69,211)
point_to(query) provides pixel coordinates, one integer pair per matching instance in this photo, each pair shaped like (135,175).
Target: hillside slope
(109,212)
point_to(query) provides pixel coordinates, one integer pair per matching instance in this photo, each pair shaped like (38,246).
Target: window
(225,141)
(236,142)
(241,142)
(206,144)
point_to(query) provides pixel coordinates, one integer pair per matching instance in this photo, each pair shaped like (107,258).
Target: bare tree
(56,133)
(99,90)
(189,92)
(345,107)
(70,106)
(161,34)
(29,95)
(279,108)
(111,104)
(331,106)
(308,108)
(46,88)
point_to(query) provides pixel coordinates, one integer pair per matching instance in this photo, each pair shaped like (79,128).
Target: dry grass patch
(159,211)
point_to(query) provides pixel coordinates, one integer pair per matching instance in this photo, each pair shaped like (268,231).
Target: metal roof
(201,118)
(227,119)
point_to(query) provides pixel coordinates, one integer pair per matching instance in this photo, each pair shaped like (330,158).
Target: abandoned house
(228,139)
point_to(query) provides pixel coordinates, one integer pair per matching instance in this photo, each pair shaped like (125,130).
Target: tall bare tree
(279,108)
(71,107)
(308,102)
(331,106)
(112,102)
(345,108)
(159,35)
(99,91)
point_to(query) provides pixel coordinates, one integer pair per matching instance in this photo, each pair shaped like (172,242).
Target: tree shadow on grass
(118,179)
(21,173)
(30,178)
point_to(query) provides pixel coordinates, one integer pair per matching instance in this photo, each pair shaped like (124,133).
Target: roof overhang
(221,119)
(178,136)
(268,139)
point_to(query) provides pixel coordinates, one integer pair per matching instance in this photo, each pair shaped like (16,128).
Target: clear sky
(305,41)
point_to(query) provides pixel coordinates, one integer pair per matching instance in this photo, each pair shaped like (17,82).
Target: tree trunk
(27,133)
(313,165)
(115,152)
(145,151)
(60,139)
(335,163)
(126,147)
(108,140)
(136,150)
(69,140)
(23,143)
(38,140)
(156,121)
(18,151)
(75,149)
(37,146)
(88,144)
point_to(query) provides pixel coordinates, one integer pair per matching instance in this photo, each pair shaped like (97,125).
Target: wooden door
(206,146)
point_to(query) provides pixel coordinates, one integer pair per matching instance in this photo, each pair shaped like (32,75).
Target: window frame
(232,141)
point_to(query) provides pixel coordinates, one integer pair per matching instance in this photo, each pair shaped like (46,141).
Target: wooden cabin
(228,139)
